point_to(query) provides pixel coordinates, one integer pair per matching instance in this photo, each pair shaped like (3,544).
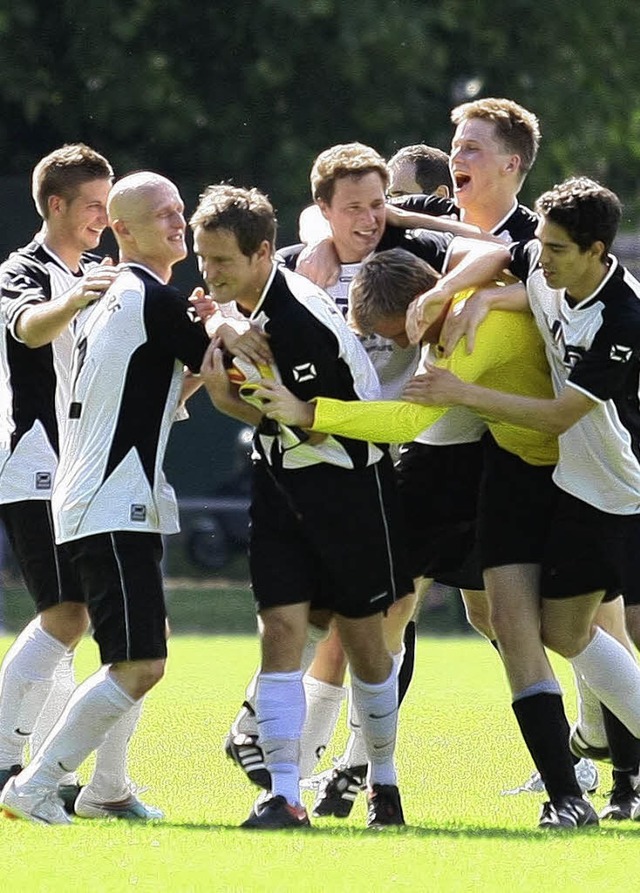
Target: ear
(513,164)
(324,208)
(598,250)
(119,227)
(264,250)
(55,204)
(442,191)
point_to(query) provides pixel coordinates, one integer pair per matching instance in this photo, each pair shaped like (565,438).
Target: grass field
(458,749)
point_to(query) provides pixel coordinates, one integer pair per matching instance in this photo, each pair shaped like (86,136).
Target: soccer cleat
(569,812)
(587,777)
(624,799)
(339,791)
(6,774)
(131,808)
(68,793)
(33,803)
(580,747)
(245,751)
(384,807)
(275,813)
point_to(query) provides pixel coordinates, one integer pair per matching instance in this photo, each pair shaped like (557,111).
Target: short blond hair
(517,129)
(63,171)
(344,160)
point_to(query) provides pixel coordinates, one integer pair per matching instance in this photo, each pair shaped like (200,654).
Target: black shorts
(329,536)
(589,550)
(517,502)
(122,581)
(438,488)
(48,575)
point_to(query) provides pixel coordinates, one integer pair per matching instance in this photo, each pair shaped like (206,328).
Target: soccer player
(42,288)
(323,527)
(586,308)
(111,502)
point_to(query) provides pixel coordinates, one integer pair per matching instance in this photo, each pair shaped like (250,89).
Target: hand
(204,304)
(93,284)
(215,379)
(426,314)
(280,404)
(463,322)
(436,387)
(319,263)
(251,344)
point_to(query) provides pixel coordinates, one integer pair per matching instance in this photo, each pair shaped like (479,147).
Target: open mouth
(461,179)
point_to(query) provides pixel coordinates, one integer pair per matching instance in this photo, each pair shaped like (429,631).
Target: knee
(66,622)
(139,676)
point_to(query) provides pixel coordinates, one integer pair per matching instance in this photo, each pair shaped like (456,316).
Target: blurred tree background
(252,91)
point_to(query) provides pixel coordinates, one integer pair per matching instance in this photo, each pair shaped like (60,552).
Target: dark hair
(246,213)
(63,171)
(344,160)
(385,285)
(516,128)
(587,211)
(431,166)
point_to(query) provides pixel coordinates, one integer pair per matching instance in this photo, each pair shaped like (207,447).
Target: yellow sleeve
(380,421)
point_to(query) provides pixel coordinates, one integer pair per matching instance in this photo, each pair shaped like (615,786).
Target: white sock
(323,708)
(63,686)
(280,710)
(590,720)
(377,707)
(92,710)
(355,753)
(26,677)
(110,782)
(613,676)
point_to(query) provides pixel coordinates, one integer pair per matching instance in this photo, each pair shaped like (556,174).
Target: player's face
(402,179)
(393,328)
(563,264)
(229,274)
(80,222)
(159,226)
(356,216)
(480,167)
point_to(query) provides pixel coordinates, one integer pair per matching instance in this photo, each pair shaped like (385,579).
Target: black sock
(623,746)
(408,661)
(545,730)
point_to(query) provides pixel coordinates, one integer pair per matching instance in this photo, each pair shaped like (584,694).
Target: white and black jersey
(33,381)
(316,354)
(519,225)
(128,357)
(593,346)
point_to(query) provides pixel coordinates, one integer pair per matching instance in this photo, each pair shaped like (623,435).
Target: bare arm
(555,416)
(320,263)
(396,216)
(39,324)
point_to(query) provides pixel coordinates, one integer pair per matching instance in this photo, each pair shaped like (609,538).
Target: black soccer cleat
(276,814)
(338,793)
(68,793)
(624,799)
(6,774)
(246,753)
(580,747)
(385,808)
(568,813)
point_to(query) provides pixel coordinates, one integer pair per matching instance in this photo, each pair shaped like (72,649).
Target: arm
(396,216)
(40,323)
(475,262)
(381,421)
(554,416)
(319,263)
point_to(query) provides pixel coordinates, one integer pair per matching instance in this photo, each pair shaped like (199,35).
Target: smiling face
(483,172)
(78,222)
(565,266)
(229,274)
(356,215)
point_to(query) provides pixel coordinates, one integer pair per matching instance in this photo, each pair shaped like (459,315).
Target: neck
(250,299)
(590,282)
(489,216)
(68,255)
(162,270)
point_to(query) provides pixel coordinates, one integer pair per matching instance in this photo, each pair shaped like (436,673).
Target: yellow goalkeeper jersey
(508,356)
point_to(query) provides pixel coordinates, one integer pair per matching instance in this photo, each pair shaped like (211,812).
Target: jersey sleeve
(173,324)
(525,257)
(603,371)
(23,284)
(380,421)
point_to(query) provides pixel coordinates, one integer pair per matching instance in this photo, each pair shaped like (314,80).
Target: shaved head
(131,197)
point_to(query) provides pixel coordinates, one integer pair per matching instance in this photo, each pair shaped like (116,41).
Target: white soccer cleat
(130,808)
(586,775)
(33,803)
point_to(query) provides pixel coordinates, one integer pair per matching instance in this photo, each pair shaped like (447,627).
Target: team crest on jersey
(620,353)
(138,512)
(304,372)
(43,480)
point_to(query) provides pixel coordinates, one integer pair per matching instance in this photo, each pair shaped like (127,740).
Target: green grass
(458,749)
